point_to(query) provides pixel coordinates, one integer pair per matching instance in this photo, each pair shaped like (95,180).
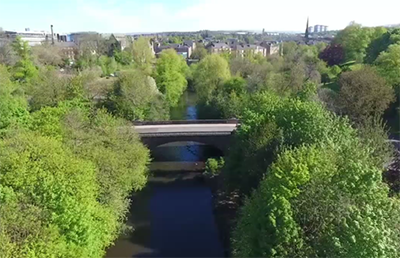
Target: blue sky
(187,15)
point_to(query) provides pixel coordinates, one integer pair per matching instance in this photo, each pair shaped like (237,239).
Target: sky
(128,16)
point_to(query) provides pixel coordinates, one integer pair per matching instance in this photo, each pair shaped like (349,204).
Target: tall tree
(210,73)
(363,93)
(24,69)
(143,56)
(170,75)
(355,40)
(388,64)
(135,97)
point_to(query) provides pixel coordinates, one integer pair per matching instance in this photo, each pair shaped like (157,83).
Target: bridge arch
(221,142)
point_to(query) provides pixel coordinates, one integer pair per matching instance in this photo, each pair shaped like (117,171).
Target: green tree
(363,93)
(388,64)
(143,56)
(307,199)
(135,97)
(107,64)
(199,52)
(170,75)
(210,74)
(354,39)
(48,199)
(24,69)
(13,105)
(46,89)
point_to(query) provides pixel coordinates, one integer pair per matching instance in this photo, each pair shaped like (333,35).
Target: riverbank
(225,207)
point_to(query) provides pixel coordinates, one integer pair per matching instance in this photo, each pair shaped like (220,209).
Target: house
(272,47)
(234,47)
(218,47)
(69,49)
(185,49)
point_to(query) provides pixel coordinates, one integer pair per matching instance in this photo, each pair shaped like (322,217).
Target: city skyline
(163,15)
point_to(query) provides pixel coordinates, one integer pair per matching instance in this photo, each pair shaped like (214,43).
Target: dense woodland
(308,159)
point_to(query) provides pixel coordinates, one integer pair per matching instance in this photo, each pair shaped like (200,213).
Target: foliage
(332,55)
(46,54)
(388,64)
(7,54)
(363,93)
(199,52)
(13,106)
(108,65)
(48,201)
(354,39)
(143,56)
(112,148)
(123,57)
(170,75)
(210,74)
(316,201)
(214,166)
(135,97)
(46,89)
(268,123)
(381,43)
(24,69)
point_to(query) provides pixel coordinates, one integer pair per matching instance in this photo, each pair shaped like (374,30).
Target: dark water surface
(173,215)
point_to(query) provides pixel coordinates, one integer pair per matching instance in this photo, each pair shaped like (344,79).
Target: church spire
(307,32)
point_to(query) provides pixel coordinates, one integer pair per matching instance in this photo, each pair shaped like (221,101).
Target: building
(69,49)
(320,28)
(185,49)
(217,47)
(241,49)
(310,29)
(32,37)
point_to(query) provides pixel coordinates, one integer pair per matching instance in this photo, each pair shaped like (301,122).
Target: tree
(7,54)
(108,65)
(199,52)
(210,74)
(308,197)
(143,56)
(170,75)
(48,199)
(13,106)
(332,55)
(388,64)
(135,97)
(123,57)
(47,54)
(354,39)
(363,93)
(24,69)
(376,47)
(46,89)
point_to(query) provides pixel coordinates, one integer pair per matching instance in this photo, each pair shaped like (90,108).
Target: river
(173,215)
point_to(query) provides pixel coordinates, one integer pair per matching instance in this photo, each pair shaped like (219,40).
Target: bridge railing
(186,122)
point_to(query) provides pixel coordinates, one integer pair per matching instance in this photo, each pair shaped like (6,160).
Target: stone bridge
(217,133)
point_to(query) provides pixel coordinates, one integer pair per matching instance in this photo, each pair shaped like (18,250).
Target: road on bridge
(185,128)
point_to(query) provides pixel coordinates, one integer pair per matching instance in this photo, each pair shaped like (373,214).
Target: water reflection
(184,151)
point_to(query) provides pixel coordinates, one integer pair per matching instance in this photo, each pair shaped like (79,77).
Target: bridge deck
(185,129)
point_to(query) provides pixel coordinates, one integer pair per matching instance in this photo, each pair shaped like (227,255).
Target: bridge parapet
(188,122)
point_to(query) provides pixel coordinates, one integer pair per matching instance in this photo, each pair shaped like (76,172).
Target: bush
(214,166)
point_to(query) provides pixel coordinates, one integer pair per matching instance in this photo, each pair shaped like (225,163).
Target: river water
(173,215)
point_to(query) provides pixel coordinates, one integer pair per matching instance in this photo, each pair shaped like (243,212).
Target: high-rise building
(310,29)
(320,28)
